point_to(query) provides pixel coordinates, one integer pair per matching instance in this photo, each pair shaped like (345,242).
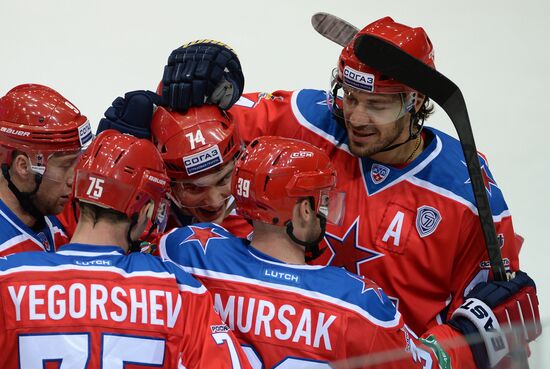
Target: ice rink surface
(496,51)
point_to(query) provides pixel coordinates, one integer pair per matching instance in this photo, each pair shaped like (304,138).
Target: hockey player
(411,223)
(41,137)
(287,314)
(91,306)
(199,148)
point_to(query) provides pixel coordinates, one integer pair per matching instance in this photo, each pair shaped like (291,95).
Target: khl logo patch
(427,220)
(379,173)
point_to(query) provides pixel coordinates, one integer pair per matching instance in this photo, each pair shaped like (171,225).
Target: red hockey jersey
(94,307)
(413,230)
(16,236)
(300,316)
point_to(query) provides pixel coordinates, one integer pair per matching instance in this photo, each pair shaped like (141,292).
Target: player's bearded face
(373,121)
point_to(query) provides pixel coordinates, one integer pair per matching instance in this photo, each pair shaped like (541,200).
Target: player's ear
(419,101)
(305,209)
(21,165)
(146,213)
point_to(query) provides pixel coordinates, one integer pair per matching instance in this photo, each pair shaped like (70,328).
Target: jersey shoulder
(447,174)
(357,293)
(204,245)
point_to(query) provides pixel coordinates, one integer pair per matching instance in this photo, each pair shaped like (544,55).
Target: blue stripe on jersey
(312,104)
(228,254)
(448,170)
(95,257)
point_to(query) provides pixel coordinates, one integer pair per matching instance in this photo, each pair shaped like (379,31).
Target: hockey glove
(202,71)
(131,114)
(495,314)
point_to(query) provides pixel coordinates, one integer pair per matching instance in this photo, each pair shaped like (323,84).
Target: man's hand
(131,114)
(496,315)
(202,71)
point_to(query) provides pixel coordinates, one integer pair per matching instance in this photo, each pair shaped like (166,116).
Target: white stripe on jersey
(86,253)
(410,173)
(293,266)
(451,195)
(23,233)
(59,268)
(310,294)
(13,241)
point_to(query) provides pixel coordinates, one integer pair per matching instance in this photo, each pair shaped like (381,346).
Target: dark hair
(96,213)
(425,110)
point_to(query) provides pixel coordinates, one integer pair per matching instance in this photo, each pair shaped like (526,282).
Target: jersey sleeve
(264,114)
(399,348)
(209,343)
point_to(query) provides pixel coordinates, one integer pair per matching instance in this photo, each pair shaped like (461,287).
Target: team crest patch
(379,173)
(427,220)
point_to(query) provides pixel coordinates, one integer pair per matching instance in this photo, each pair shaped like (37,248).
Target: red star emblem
(368,285)
(203,236)
(487,181)
(347,252)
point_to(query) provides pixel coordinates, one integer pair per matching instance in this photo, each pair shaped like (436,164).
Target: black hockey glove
(202,71)
(131,114)
(496,315)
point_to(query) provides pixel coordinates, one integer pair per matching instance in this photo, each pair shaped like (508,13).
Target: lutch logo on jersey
(203,160)
(357,79)
(378,173)
(427,220)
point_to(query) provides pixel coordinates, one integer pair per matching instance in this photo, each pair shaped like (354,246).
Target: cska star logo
(203,236)
(378,173)
(346,251)
(487,180)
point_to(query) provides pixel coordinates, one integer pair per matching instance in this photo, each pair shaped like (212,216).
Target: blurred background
(93,51)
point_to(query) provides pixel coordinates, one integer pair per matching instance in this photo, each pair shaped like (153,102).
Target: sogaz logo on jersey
(203,160)
(427,220)
(361,80)
(378,173)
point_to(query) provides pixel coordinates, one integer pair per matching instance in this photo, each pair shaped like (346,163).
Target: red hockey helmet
(273,173)
(39,121)
(351,72)
(194,142)
(123,173)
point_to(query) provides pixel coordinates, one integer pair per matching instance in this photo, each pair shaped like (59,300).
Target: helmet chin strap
(133,245)
(312,247)
(412,135)
(25,198)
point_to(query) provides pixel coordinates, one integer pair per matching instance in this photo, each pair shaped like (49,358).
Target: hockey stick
(397,64)
(333,28)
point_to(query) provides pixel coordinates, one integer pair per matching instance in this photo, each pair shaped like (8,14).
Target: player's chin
(361,149)
(211,215)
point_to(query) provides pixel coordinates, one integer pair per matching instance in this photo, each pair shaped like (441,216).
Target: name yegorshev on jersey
(257,316)
(94,301)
